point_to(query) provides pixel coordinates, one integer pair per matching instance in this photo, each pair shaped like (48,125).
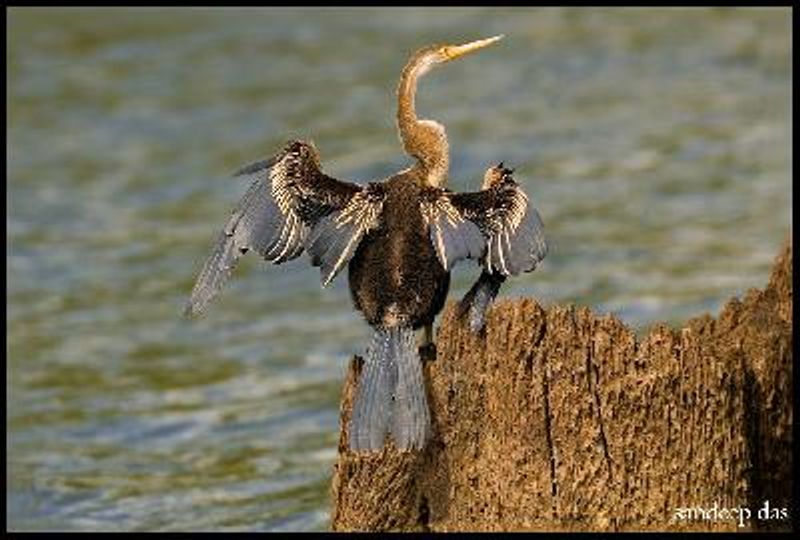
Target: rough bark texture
(560,419)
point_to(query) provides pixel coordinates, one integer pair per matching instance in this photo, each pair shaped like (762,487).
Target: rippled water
(656,144)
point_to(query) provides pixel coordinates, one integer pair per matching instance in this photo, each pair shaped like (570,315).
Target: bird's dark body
(395,276)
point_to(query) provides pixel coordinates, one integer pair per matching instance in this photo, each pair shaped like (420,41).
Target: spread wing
(497,225)
(291,205)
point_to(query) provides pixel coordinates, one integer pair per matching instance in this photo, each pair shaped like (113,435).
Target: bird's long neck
(423,139)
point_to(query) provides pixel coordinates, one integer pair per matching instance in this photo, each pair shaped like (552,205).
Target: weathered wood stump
(560,419)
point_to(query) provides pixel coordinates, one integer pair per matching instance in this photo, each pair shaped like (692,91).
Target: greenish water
(656,144)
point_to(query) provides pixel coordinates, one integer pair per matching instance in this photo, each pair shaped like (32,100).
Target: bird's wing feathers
(334,238)
(454,237)
(497,225)
(290,206)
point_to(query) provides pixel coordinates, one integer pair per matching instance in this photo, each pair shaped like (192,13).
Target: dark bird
(399,238)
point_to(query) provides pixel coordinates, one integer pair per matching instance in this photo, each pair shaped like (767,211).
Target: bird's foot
(427,352)
(358,363)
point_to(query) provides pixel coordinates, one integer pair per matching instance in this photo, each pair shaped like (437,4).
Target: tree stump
(561,419)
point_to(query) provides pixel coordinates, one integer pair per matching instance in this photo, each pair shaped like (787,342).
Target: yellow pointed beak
(452,52)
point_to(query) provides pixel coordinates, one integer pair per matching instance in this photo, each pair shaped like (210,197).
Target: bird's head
(433,55)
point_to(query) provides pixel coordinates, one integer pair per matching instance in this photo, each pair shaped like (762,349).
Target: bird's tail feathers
(391,394)
(410,421)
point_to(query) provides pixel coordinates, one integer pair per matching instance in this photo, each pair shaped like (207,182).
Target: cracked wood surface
(561,419)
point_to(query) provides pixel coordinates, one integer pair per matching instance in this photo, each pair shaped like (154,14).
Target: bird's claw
(427,352)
